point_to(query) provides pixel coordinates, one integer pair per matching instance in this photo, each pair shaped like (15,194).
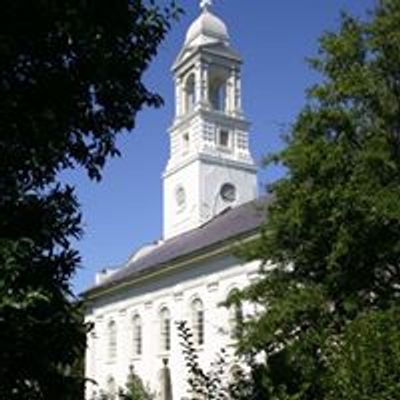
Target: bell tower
(210,167)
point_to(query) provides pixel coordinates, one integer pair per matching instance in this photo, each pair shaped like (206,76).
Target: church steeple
(210,166)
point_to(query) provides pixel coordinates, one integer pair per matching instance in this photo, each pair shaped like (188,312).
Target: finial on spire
(205,4)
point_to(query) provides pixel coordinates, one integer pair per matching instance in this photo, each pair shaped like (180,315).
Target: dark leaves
(330,244)
(70,81)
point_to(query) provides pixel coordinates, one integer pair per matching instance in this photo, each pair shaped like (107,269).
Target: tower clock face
(228,192)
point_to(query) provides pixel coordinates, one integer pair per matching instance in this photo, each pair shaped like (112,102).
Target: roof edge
(208,252)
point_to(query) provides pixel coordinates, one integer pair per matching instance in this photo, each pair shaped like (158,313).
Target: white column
(204,85)
(100,354)
(238,92)
(231,92)
(90,360)
(198,84)
(178,97)
(123,347)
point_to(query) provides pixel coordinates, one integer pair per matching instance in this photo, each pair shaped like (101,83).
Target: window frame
(180,198)
(185,143)
(111,387)
(221,145)
(235,317)
(165,330)
(112,340)
(197,319)
(137,336)
(226,190)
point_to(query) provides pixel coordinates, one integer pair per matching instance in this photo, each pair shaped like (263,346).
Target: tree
(203,384)
(226,378)
(135,389)
(365,364)
(71,79)
(329,291)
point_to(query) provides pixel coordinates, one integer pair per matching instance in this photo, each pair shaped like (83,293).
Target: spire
(205,4)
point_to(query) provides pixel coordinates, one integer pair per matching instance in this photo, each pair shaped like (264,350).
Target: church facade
(210,205)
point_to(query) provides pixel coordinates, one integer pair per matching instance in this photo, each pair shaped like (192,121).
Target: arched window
(111,387)
(198,322)
(218,94)
(165,329)
(112,340)
(137,335)
(235,317)
(190,93)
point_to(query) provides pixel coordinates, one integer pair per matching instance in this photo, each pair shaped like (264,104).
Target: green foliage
(41,330)
(203,384)
(135,389)
(70,81)
(225,380)
(333,230)
(365,362)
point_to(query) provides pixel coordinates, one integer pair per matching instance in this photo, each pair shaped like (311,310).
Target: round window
(228,192)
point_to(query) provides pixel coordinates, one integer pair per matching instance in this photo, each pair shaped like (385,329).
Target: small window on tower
(224,139)
(180,197)
(185,143)
(190,91)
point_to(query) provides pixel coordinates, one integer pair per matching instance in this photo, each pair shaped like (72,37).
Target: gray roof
(232,224)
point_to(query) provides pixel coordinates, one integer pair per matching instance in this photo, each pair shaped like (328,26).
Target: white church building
(209,205)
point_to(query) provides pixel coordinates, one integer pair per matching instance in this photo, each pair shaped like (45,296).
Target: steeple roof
(207,28)
(206,33)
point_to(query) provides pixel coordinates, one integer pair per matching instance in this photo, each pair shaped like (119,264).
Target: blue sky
(274,37)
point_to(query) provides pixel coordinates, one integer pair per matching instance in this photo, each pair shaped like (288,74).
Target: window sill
(199,348)
(225,149)
(181,209)
(164,354)
(232,342)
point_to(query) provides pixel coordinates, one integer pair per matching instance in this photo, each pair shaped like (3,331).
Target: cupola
(207,28)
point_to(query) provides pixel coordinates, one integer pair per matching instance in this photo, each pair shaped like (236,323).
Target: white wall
(211,281)
(213,176)
(176,219)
